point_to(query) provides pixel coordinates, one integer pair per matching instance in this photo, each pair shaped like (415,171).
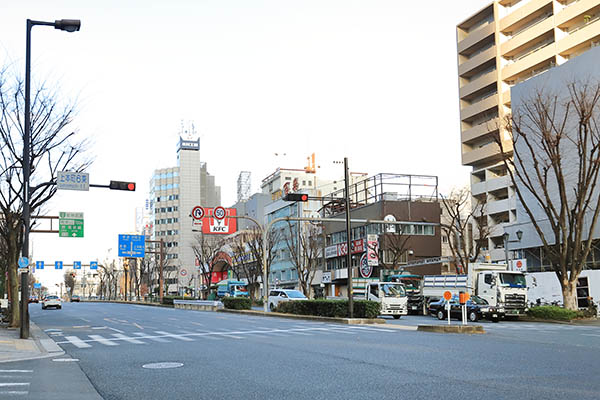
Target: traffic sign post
(76,264)
(219,213)
(93,264)
(23,264)
(39,265)
(70,224)
(133,246)
(58,265)
(447,297)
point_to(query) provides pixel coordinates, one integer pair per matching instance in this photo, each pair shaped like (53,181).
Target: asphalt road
(141,352)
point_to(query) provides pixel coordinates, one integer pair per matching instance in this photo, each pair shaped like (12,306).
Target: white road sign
(73,180)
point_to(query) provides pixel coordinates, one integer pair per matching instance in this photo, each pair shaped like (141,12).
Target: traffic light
(118,185)
(295,197)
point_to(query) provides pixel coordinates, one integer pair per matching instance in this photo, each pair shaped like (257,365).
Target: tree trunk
(13,281)
(569,292)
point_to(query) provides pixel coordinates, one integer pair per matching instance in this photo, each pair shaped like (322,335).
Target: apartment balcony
(490,185)
(480,130)
(573,11)
(479,107)
(544,54)
(485,154)
(512,46)
(477,60)
(570,44)
(475,37)
(498,206)
(483,81)
(511,21)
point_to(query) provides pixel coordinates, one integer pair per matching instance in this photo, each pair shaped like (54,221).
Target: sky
(265,83)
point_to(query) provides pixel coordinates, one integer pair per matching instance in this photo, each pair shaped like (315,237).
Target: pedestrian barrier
(198,305)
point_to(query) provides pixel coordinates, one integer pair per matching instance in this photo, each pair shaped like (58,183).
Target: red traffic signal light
(118,185)
(295,197)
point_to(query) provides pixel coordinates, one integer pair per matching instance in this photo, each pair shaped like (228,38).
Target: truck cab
(391,296)
(506,289)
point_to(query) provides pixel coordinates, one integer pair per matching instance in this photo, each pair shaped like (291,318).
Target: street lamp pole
(506,242)
(348,240)
(69,25)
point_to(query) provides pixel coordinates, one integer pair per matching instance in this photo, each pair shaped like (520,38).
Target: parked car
(477,308)
(33,299)
(279,295)
(76,298)
(51,301)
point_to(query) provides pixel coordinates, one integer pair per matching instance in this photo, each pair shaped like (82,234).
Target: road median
(470,329)
(347,321)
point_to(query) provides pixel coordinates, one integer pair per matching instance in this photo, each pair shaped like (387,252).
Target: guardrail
(199,305)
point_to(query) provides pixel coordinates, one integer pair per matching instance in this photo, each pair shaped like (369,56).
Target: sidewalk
(39,345)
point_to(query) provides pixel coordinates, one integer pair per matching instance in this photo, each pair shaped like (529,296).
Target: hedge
(169,299)
(554,313)
(237,303)
(330,308)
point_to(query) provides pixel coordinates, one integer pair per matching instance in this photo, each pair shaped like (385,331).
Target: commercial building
(502,45)
(415,244)
(174,192)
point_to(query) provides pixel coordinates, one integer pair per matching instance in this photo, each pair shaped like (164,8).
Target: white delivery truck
(391,296)
(492,282)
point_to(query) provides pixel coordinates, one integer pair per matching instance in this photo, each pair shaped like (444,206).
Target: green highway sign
(70,224)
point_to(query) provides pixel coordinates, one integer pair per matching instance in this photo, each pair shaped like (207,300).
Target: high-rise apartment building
(174,192)
(503,44)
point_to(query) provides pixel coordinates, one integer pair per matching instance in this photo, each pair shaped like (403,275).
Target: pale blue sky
(334,77)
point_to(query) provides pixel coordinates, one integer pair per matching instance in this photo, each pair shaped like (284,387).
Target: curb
(451,328)
(38,337)
(347,321)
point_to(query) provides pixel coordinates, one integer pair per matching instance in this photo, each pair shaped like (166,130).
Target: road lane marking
(16,371)
(590,334)
(103,340)
(77,342)
(196,323)
(116,330)
(14,384)
(99,327)
(167,334)
(154,338)
(81,326)
(127,338)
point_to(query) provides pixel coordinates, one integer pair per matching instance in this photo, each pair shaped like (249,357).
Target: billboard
(219,226)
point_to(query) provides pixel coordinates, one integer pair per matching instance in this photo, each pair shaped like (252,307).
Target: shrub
(258,302)
(237,303)
(554,313)
(330,308)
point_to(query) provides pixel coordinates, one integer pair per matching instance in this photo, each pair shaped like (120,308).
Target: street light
(506,236)
(68,25)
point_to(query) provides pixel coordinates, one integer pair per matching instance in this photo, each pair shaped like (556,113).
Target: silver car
(51,301)
(278,295)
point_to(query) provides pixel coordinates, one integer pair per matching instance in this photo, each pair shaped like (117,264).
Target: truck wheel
(440,315)
(472,316)
(396,317)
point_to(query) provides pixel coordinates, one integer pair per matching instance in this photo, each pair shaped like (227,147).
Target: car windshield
(393,290)
(411,283)
(479,300)
(51,297)
(513,280)
(295,294)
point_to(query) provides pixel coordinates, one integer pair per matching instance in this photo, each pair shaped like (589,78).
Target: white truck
(391,296)
(506,290)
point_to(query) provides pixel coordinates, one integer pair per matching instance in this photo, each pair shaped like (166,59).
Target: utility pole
(348,240)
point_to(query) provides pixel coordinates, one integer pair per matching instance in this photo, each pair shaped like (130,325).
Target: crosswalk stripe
(179,337)
(3,384)
(103,340)
(19,392)
(77,342)
(127,339)
(154,338)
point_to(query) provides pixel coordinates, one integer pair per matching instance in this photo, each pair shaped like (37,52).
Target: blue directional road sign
(58,264)
(93,264)
(37,285)
(132,246)
(39,265)
(76,264)
(23,262)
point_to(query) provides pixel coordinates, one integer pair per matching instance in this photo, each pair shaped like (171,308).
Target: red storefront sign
(225,226)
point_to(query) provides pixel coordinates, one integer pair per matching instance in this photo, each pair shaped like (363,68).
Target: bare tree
(305,249)
(245,262)
(206,249)
(464,226)
(554,168)
(69,279)
(53,148)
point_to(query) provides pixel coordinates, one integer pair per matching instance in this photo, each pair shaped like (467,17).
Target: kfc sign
(220,226)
